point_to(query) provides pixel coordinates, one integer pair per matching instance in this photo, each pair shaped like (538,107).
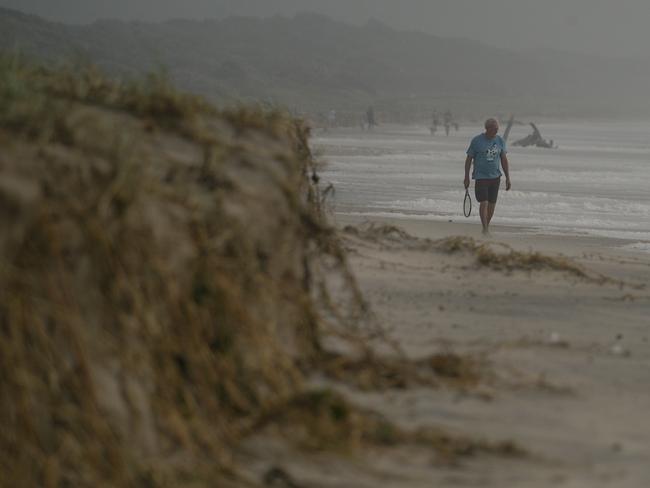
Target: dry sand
(567,361)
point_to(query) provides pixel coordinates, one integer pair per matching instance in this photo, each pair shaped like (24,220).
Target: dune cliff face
(158,277)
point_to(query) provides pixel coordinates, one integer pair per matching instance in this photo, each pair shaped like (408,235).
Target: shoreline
(573,193)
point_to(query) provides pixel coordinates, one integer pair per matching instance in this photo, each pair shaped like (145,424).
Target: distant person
(370,118)
(331,119)
(435,122)
(487,153)
(448,121)
(363,123)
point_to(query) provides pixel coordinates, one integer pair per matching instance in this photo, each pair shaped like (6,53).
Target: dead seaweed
(384,234)
(496,256)
(325,420)
(502,257)
(373,372)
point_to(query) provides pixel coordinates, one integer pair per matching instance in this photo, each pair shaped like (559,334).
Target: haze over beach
(234,250)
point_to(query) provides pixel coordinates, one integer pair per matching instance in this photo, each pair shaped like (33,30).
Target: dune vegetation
(168,287)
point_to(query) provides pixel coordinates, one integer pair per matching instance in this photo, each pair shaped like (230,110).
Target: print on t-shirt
(492,152)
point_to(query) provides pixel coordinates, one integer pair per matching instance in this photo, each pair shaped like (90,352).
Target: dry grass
(159,277)
(380,233)
(164,287)
(372,372)
(324,420)
(502,257)
(496,256)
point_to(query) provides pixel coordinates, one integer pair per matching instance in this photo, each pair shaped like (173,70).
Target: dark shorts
(487,190)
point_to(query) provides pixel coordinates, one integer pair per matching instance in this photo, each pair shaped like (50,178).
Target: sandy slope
(567,369)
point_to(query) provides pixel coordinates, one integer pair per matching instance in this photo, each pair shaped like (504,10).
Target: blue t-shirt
(487,156)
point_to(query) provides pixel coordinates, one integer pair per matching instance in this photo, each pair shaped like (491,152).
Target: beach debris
(384,234)
(373,372)
(556,340)
(511,121)
(543,383)
(619,350)
(534,139)
(501,256)
(506,134)
(279,478)
(325,419)
(494,255)
(372,229)
(455,367)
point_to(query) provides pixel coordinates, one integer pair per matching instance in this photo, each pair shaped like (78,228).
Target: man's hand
(508,185)
(466,182)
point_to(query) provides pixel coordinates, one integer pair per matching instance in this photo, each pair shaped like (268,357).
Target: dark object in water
(534,139)
(508,128)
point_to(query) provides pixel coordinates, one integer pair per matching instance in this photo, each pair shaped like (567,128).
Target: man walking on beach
(487,152)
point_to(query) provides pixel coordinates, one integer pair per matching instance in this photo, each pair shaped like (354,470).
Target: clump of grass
(381,233)
(34,97)
(457,244)
(372,372)
(501,257)
(528,261)
(507,259)
(455,368)
(452,449)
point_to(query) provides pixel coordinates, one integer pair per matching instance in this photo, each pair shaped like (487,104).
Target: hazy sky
(597,26)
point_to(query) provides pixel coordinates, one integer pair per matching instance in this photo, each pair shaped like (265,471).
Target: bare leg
(490,211)
(483,212)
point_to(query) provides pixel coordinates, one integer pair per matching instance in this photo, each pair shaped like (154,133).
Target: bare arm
(468,165)
(506,169)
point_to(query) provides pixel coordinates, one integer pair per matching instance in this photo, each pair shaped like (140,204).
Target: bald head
(491,128)
(491,122)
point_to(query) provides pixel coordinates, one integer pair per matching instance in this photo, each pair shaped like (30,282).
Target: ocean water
(595,183)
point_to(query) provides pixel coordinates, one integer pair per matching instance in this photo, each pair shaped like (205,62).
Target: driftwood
(507,132)
(534,139)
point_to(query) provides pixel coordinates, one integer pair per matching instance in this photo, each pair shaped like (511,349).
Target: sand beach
(552,318)
(560,339)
